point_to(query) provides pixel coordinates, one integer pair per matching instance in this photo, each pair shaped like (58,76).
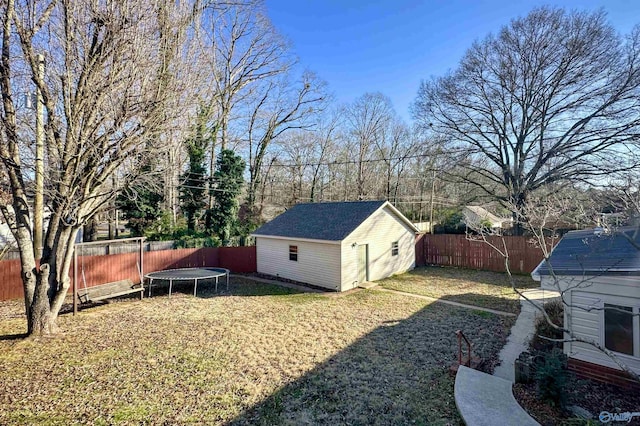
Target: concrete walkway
(485,400)
(448,302)
(521,332)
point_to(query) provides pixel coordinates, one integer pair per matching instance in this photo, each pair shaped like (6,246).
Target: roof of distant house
(483,213)
(595,252)
(323,221)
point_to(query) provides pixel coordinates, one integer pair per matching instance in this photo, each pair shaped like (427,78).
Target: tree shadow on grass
(479,276)
(488,301)
(397,374)
(238,286)
(16,336)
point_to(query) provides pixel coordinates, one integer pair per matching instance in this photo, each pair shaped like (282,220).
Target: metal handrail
(461,336)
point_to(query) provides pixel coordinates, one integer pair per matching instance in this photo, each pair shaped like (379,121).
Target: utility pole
(433,190)
(113,213)
(38,203)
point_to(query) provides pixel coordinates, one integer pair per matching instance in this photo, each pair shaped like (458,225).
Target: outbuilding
(598,272)
(336,245)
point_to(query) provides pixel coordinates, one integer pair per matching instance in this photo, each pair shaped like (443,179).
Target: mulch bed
(590,395)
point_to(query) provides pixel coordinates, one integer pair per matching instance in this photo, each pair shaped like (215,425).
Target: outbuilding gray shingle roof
(320,221)
(587,253)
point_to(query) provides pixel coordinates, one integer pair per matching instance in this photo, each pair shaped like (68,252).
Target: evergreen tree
(227,184)
(140,204)
(193,187)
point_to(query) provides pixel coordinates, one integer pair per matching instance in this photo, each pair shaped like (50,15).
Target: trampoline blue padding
(188,274)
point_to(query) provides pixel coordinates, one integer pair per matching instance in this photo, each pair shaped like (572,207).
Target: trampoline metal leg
(170,285)
(195,286)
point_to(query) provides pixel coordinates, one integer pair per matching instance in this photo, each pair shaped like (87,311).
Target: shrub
(555,310)
(551,378)
(196,241)
(451,221)
(162,229)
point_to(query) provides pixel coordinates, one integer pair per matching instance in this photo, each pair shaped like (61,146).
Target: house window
(394,248)
(293,253)
(618,328)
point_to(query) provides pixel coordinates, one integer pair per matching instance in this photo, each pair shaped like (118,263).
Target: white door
(363,263)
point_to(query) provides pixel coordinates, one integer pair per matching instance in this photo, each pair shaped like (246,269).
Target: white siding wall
(318,263)
(595,291)
(378,231)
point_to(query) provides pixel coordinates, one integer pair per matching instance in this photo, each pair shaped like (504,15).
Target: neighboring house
(598,270)
(476,215)
(6,237)
(423,227)
(336,245)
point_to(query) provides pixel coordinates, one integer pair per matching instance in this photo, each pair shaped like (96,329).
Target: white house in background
(476,215)
(424,227)
(598,271)
(336,245)
(6,237)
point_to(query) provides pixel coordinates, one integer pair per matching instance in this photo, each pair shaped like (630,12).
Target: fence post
(75,281)
(142,259)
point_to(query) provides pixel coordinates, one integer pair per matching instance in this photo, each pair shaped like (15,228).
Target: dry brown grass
(261,354)
(480,288)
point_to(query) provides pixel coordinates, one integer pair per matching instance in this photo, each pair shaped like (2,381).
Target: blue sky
(361,46)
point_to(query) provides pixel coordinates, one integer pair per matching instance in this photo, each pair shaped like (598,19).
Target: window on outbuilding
(293,253)
(394,248)
(618,328)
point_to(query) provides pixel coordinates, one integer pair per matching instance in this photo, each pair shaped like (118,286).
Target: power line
(341,163)
(346,162)
(204,189)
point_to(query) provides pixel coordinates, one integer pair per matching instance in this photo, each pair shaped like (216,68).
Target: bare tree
(394,148)
(279,108)
(297,150)
(324,143)
(551,98)
(369,118)
(243,49)
(623,191)
(306,154)
(106,93)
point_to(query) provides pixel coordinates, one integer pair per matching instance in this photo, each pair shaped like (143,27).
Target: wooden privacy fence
(96,270)
(458,250)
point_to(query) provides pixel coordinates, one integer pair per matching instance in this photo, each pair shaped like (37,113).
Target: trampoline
(188,274)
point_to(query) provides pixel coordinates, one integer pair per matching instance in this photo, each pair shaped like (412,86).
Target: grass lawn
(481,288)
(259,354)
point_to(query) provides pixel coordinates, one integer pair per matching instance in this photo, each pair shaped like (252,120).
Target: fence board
(115,267)
(459,251)
(10,282)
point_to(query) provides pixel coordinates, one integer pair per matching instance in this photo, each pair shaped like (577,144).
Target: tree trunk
(212,170)
(41,320)
(360,182)
(518,203)
(90,230)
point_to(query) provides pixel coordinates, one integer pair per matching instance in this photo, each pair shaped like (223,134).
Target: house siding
(318,263)
(379,231)
(589,324)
